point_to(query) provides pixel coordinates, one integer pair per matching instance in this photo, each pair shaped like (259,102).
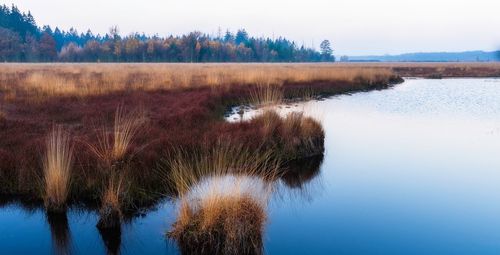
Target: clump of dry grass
(112,149)
(57,169)
(115,144)
(294,136)
(185,168)
(266,95)
(303,136)
(222,215)
(111,201)
(223,192)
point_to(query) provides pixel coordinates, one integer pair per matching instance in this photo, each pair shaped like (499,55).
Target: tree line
(21,40)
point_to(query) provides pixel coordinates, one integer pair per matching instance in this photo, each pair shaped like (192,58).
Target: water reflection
(299,172)
(60,233)
(112,238)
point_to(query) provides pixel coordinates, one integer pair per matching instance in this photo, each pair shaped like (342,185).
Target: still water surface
(410,170)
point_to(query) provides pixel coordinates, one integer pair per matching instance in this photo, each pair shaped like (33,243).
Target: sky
(355,27)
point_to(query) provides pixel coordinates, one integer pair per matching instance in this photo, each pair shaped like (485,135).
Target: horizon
(421,27)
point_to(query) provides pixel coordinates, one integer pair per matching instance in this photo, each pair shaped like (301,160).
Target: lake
(414,169)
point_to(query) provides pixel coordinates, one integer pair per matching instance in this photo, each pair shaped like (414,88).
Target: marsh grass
(222,195)
(266,95)
(113,150)
(184,168)
(114,144)
(222,215)
(293,136)
(57,169)
(304,135)
(39,83)
(111,203)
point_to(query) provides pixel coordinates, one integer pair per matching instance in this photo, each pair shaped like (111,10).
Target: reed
(57,169)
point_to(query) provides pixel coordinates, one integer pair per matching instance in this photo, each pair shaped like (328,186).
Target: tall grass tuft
(184,168)
(222,215)
(110,212)
(57,169)
(263,95)
(223,192)
(303,136)
(293,136)
(114,144)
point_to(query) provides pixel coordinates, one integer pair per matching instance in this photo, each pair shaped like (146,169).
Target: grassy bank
(123,121)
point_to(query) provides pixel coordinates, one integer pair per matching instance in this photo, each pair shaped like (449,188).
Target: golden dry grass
(301,136)
(186,168)
(38,82)
(113,145)
(223,193)
(223,215)
(266,95)
(57,169)
(111,203)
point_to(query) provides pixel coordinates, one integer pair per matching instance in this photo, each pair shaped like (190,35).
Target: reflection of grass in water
(112,238)
(222,215)
(300,179)
(60,233)
(300,172)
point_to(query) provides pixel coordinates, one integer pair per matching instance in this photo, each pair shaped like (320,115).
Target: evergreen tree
(326,51)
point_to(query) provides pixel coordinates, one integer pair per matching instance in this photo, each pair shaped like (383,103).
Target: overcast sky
(355,27)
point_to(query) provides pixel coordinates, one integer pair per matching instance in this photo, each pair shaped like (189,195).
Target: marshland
(248,158)
(263,127)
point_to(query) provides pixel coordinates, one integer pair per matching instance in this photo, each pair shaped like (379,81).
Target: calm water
(410,170)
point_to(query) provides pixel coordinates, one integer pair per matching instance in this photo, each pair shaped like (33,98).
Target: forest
(22,40)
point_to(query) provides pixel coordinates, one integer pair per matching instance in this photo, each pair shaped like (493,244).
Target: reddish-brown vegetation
(187,116)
